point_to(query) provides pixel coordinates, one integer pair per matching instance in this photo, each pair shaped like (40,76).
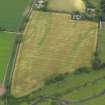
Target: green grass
(6,44)
(49,102)
(101,45)
(88,91)
(66,89)
(1,102)
(72,81)
(96,101)
(11,12)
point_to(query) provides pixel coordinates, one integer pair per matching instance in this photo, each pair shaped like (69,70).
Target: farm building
(39,4)
(76,17)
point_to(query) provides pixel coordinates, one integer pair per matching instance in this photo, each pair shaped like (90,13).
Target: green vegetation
(92,3)
(6,45)
(11,13)
(73,87)
(101,44)
(70,83)
(89,90)
(49,102)
(98,6)
(1,102)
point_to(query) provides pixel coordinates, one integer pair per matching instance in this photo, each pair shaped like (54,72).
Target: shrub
(96,64)
(55,78)
(82,70)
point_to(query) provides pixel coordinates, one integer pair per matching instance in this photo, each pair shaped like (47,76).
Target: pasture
(11,13)
(52,44)
(74,88)
(66,5)
(6,45)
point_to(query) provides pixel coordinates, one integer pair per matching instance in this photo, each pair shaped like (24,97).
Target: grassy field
(74,87)
(6,44)
(11,12)
(101,45)
(66,5)
(52,43)
(90,90)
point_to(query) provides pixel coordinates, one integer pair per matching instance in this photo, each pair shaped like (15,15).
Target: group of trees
(102,8)
(56,78)
(99,10)
(102,5)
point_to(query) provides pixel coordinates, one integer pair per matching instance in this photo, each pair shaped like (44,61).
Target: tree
(96,63)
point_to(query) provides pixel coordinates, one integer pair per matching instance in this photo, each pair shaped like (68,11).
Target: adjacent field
(52,43)
(74,87)
(78,88)
(66,5)
(11,12)
(6,44)
(71,83)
